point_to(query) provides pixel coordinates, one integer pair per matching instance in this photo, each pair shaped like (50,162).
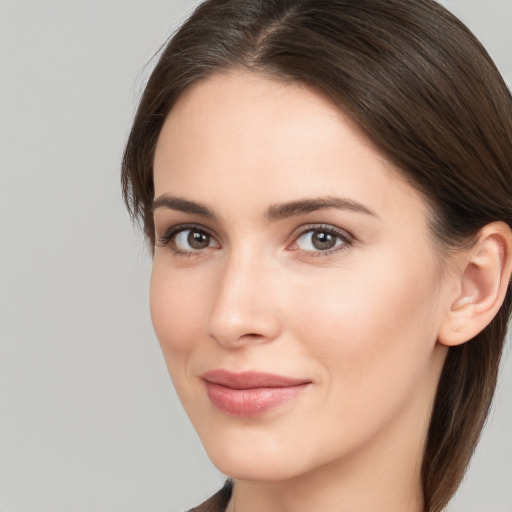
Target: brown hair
(424,91)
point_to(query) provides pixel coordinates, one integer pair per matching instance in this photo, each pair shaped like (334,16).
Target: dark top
(218,502)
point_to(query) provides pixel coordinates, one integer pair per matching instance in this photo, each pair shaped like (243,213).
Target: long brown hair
(424,91)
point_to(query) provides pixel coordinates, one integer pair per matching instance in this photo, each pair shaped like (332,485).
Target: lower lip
(251,402)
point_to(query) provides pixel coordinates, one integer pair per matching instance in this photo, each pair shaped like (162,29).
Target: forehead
(241,140)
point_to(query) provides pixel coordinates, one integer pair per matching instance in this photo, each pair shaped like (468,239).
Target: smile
(249,394)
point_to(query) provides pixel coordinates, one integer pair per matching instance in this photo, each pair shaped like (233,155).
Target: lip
(247,394)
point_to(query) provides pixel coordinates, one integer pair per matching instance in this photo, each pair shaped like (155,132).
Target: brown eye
(322,240)
(198,240)
(192,240)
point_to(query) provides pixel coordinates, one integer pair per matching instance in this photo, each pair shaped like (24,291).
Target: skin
(360,321)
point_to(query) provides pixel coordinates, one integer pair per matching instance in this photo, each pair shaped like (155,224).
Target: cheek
(176,312)
(367,328)
(374,339)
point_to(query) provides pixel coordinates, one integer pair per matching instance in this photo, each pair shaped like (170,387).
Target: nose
(244,308)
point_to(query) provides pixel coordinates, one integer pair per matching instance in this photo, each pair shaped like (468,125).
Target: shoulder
(218,502)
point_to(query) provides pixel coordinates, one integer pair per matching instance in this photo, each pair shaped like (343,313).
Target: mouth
(248,394)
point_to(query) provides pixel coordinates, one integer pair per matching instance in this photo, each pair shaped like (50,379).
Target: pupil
(198,240)
(322,240)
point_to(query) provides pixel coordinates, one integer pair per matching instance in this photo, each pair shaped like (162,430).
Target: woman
(326,187)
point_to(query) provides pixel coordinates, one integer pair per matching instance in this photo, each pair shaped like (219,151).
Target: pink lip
(247,394)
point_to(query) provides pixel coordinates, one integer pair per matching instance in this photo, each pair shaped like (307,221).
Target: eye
(186,240)
(322,240)
(192,240)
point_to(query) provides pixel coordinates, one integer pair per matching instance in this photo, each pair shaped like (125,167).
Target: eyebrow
(293,208)
(274,213)
(182,205)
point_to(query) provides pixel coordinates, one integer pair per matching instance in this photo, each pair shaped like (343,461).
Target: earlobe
(483,281)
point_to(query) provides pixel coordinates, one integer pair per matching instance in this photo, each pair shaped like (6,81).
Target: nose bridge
(243,310)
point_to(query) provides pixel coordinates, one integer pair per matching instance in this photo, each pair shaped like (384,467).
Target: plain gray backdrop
(88,418)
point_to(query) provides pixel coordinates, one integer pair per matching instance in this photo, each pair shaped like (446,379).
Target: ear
(483,278)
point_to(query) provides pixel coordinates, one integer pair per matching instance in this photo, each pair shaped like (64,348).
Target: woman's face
(296,292)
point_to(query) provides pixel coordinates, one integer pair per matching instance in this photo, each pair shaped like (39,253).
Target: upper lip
(250,379)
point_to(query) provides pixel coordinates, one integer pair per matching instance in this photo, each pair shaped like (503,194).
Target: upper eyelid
(176,228)
(327,227)
(310,226)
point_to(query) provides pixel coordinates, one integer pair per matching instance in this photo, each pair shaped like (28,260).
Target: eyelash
(167,238)
(347,240)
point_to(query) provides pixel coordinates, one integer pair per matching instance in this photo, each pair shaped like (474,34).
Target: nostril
(233,334)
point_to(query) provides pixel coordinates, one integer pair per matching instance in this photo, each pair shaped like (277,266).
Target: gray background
(88,419)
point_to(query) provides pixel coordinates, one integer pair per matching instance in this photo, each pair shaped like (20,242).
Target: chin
(264,456)
(254,469)
(245,455)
